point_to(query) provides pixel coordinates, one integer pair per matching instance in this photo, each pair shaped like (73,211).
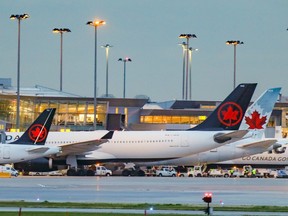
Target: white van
(8,169)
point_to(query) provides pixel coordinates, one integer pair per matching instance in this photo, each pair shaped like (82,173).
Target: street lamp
(95,24)
(191,50)
(107,47)
(19,18)
(234,43)
(187,36)
(184,47)
(61,31)
(124,60)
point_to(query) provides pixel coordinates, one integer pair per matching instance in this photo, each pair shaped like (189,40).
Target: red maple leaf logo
(230,114)
(37,133)
(255,122)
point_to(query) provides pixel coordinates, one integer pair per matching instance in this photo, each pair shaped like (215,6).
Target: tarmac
(168,190)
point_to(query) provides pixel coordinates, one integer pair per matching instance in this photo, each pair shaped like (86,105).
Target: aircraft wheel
(90,173)
(126,172)
(81,172)
(71,172)
(141,173)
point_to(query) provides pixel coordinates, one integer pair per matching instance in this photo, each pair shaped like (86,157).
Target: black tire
(126,172)
(160,175)
(107,174)
(90,173)
(81,172)
(71,172)
(140,173)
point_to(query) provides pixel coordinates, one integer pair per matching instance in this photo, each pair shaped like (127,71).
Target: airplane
(266,159)
(220,128)
(31,144)
(256,119)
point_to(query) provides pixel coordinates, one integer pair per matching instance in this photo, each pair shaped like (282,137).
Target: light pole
(19,18)
(124,60)
(190,71)
(61,31)
(95,24)
(184,47)
(187,36)
(107,47)
(234,43)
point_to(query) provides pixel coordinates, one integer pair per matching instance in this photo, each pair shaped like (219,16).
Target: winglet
(37,133)
(228,115)
(109,135)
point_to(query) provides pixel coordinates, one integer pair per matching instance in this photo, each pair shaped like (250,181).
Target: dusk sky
(147,32)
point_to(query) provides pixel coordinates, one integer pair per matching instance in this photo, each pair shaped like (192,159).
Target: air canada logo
(255,122)
(230,114)
(37,133)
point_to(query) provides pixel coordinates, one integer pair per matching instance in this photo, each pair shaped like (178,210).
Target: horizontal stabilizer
(224,137)
(263,144)
(39,150)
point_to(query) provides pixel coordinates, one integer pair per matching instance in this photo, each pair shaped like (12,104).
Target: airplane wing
(261,143)
(86,146)
(235,135)
(38,150)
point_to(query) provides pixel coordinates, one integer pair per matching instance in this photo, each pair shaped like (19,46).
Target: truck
(166,171)
(102,171)
(10,170)
(218,173)
(248,171)
(196,171)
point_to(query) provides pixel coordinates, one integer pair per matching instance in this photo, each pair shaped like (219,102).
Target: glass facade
(77,113)
(157,119)
(70,113)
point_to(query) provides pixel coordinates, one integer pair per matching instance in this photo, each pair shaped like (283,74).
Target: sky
(147,32)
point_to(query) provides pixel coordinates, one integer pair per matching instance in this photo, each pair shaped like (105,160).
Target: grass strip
(46,204)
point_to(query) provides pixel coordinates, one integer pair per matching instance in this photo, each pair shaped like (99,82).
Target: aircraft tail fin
(37,133)
(258,114)
(228,115)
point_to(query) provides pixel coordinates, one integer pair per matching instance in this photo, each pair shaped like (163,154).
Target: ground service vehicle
(165,171)
(102,171)
(8,169)
(218,173)
(196,171)
(281,174)
(250,172)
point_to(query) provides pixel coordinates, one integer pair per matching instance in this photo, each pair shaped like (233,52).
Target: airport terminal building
(74,112)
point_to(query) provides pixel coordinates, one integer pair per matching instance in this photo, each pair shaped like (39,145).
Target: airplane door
(184,141)
(6,152)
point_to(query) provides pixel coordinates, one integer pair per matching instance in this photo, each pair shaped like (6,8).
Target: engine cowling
(40,165)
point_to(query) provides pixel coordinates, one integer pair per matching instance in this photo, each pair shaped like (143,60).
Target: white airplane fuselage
(265,158)
(14,153)
(138,145)
(223,153)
